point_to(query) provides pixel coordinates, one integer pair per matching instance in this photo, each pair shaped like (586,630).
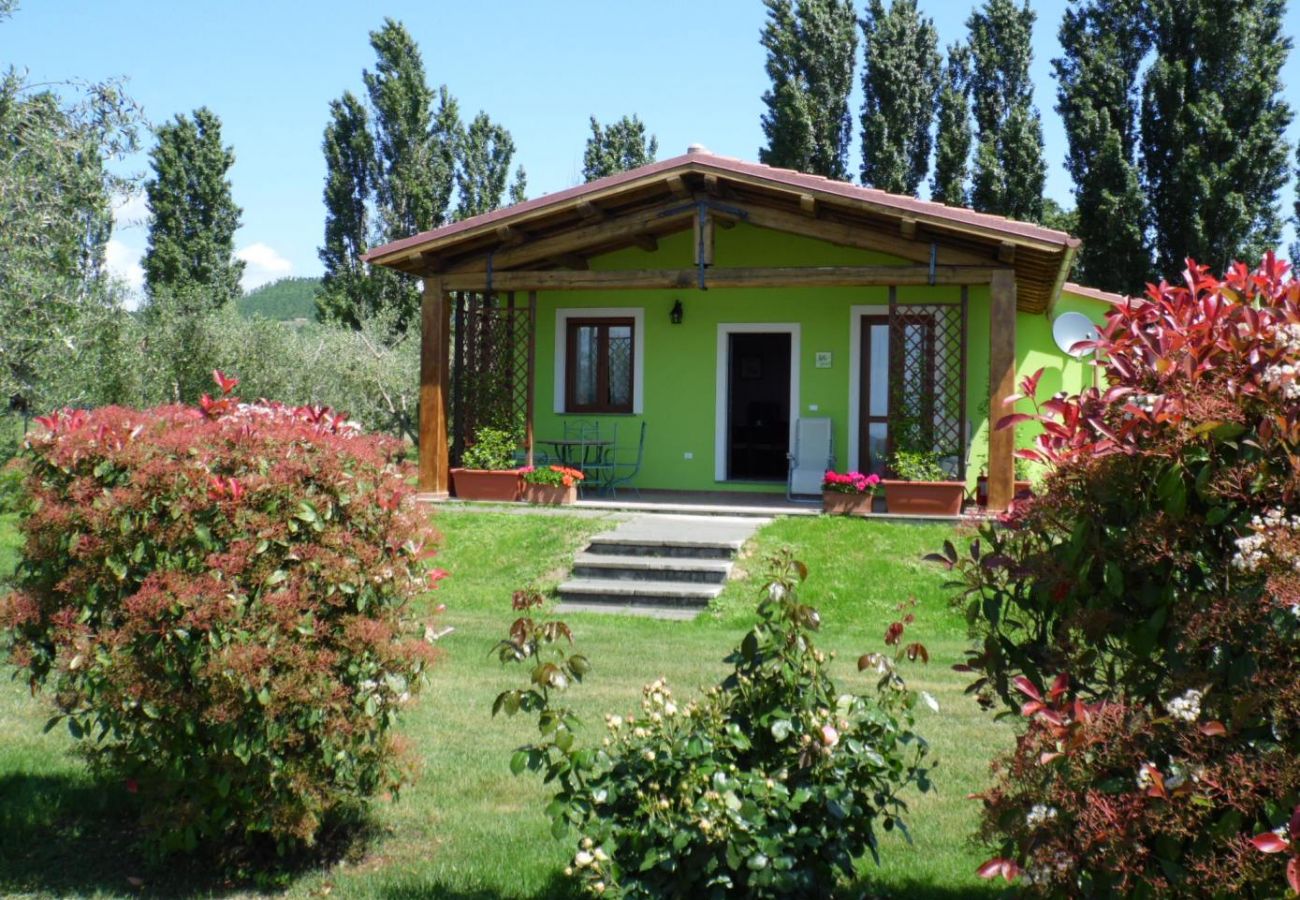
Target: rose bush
(217,601)
(1142,613)
(771,784)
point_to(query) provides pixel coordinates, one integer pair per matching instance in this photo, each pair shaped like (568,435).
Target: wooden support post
(531,375)
(434,344)
(704,238)
(1002,384)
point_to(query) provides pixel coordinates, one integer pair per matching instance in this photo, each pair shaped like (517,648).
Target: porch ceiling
(561,231)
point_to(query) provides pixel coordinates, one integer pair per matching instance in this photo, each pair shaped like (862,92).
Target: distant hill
(283,300)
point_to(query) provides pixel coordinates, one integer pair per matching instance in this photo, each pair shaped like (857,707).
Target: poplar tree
(953,131)
(483,167)
(1103,43)
(617,147)
(1214,156)
(417,134)
(1009,171)
(347,292)
(193,218)
(900,81)
(811,45)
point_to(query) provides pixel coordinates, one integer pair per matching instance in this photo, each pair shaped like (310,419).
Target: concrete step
(614,545)
(679,613)
(641,567)
(626,592)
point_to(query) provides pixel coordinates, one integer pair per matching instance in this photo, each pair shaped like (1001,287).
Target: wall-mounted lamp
(676,315)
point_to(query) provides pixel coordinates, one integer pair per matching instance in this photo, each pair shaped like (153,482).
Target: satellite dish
(1069,329)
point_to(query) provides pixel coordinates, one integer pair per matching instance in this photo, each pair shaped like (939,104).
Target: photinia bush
(1142,613)
(217,600)
(771,784)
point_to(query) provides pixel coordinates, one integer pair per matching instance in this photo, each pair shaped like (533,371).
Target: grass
(467,828)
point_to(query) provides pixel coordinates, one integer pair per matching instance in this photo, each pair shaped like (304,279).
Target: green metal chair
(619,473)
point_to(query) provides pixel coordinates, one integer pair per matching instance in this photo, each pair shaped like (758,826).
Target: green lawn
(468,829)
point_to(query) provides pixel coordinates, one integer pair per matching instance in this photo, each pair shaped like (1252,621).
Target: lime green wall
(680,360)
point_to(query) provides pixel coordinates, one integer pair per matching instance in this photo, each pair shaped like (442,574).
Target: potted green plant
(488,470)
(848,493)
(921,487)
(1022,483)
(550,485)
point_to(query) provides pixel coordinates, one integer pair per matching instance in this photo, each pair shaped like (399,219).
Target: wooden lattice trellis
(493,348)
(927,378)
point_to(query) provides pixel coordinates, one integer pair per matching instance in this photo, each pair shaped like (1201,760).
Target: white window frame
(720,423)
(562,317)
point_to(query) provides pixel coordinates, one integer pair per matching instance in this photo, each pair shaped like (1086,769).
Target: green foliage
(900,83)
(1009,171)
(55,219)
(417,132)
(493,448)
(1140,612)
(284,300)
(483,167)
(953,131)
(1103,43)
(192,216)
(226,628)
(1214,152)
(917,465)
(810,46)
(769,785)
(348,293)
(616,147)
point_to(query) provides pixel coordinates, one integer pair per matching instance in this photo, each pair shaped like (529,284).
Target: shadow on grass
(557,888)
(65,835)
(923,890)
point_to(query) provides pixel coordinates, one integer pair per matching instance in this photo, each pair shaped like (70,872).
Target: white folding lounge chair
(813,454)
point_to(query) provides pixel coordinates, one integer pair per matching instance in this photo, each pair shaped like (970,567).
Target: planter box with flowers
(550,485)
(848,493)
(922,487)
(489,472)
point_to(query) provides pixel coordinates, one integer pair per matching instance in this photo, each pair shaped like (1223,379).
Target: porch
(744,250)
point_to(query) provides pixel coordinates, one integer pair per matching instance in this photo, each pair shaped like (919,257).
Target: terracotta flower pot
(485,484)
(550,494)
(924,498)
(836,503)
(982,489)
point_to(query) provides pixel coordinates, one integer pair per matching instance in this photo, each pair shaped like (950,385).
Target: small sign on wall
(823,360)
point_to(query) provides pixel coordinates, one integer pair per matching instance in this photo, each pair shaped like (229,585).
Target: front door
(758,406)
(873,417)
(897,385)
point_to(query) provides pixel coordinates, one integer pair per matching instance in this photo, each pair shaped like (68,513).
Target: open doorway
(758,405)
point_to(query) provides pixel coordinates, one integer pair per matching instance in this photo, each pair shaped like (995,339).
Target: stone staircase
(657,565)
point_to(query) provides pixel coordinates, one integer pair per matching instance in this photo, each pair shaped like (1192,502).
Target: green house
(720,302)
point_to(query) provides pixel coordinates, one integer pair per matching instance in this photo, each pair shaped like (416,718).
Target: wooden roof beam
(570,261)
(647,242)
(1007,252)
(907,228)
(677,185)
(808,205)
(590,211)
(510,236)
(747,277)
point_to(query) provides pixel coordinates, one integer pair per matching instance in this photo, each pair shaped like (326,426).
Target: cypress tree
(810,56)
(417,133)
(1103,43)
(900,80)
(346,288)
(1214,156)
(484,167)
(952,131)
(193,217)
(617,147)
(1009,171)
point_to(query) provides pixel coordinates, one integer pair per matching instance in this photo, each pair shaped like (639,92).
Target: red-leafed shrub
(218,602)
(1142,613)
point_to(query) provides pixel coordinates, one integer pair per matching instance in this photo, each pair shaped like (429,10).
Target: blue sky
(693,71)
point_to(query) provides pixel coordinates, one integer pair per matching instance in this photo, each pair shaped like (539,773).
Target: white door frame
(855,378)
(721,425)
